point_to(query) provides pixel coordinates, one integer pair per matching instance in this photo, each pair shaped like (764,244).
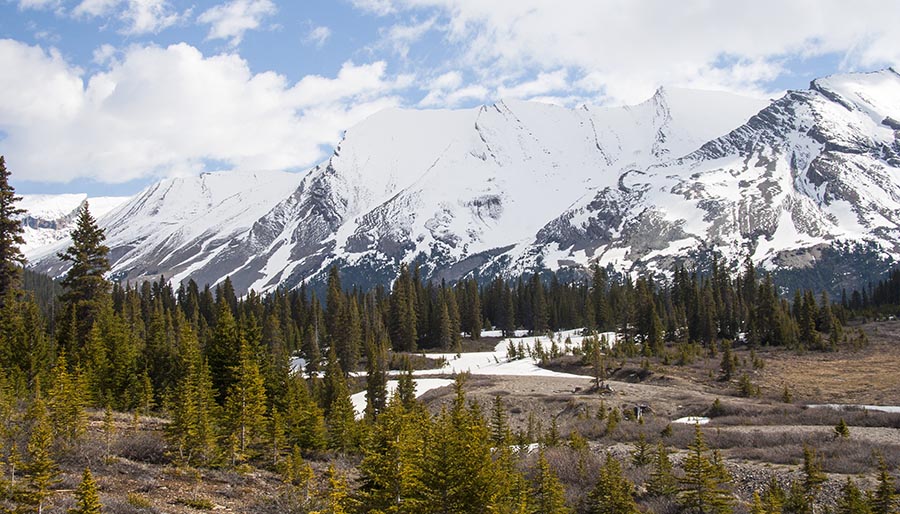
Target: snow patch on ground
(423,385)
(692,420)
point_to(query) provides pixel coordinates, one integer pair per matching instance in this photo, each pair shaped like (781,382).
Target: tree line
(223,369)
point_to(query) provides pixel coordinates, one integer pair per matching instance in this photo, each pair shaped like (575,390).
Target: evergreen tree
(40,470)
(391,454)
(223,351)
(852,500)
(457,472)
(813,477)
(376,378)
(884,498)
(192,430)
(500,433)
(662,480)
(11,258)
(841,430)
(727,366)
(305,419)
(245,405)
(66,401)
(613,493)
(702,488)
(84,282)
(87,499)
(641,454)
(548,496)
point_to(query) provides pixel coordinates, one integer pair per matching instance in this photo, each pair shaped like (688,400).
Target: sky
(107,96)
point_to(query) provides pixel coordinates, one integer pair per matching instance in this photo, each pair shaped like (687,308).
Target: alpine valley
(808,180)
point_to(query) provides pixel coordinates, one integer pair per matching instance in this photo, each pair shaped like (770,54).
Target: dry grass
(869,376)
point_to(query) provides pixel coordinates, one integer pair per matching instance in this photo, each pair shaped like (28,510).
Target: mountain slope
(50,218)
(517,185)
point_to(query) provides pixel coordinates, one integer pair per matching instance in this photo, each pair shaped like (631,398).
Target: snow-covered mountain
(518,185)
(50,218)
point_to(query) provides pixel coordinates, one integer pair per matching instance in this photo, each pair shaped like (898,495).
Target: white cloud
(149,16)
(39,4)
(449,80)
(137,16)
(104,54)
(232,19)
(626,49)
(318,36)
(95,8)
(379,7)
(164,111)
(401,36)
(446,91)
(543,84)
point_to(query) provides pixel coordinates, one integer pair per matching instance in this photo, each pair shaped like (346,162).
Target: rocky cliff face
(516,185)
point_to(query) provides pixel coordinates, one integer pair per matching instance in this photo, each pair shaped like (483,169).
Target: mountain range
(518,186)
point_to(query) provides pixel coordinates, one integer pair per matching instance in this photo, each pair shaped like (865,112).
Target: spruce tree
(84,282)
(548,496)
(852,500)
(813,477)
(662,480)
(192,430)
(376,378)
(641,454)
(87,499)
(884,498)
(40,469)
(305,419)
(702,487)
(245,405)
(66,400)
(11,258)
(613,493)
(841,430)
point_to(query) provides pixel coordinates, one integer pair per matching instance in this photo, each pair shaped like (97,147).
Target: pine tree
(192,429)
(852,500)
(223,351)
(66,401)
(376,378)
(84,283)
(841,430)
(662,480)
(391,454)
(457,472)
(727,367)
(702,488)
(341,417)
(773,498)
(884,498)
(641,454)
(613,493)
(813,477)
(500,434)
(305,419)
(548,496)
(11,258)
(338,500)
(40,470)
(406,386)
(245,405)
(87,499)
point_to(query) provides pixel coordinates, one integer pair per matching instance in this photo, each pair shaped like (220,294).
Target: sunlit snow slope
(513,186)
